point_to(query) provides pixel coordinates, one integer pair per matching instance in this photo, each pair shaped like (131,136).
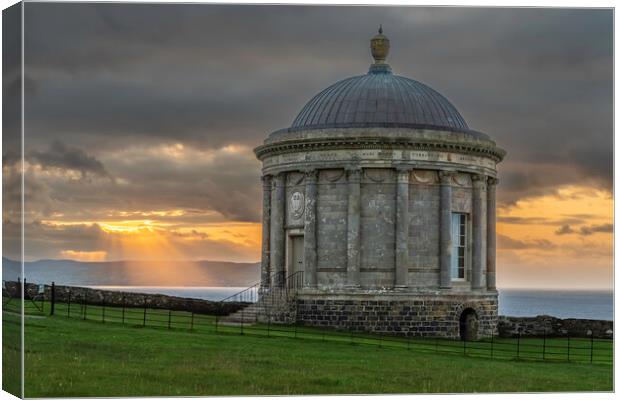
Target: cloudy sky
(141,120)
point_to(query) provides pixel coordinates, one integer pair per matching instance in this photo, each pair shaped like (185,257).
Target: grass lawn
(72,357)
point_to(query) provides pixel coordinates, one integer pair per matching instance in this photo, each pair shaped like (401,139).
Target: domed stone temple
(385,199)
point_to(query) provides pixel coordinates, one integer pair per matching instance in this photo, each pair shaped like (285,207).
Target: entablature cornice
(295,146)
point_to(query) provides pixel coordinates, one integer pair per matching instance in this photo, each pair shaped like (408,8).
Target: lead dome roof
(380,99)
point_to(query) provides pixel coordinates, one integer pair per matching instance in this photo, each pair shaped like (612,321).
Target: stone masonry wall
(415,315)
(545,325)
(332,228)
(75,294)
(424,232)
(377,229)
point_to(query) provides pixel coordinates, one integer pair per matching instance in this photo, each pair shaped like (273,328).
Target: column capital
(403,173)
(311,175)
(354,172)
(266,179)
(445,177)
(492,181)
(279,177)
(478,180)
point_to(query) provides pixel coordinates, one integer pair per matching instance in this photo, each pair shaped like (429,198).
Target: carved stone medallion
(297,205)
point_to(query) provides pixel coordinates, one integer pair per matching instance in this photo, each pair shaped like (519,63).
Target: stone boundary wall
(433,316)
(113,298)
(545,325)
(416,317)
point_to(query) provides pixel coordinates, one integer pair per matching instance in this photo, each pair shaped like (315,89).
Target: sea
(586,304)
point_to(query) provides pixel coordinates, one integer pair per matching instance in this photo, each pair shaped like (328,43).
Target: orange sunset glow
(548,237)
(546,233)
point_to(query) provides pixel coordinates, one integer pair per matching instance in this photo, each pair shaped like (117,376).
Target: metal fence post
(191,322)
(52,298)
(84,306)
(123,310)
(69,305)
(242,317)
(518,344)
(216,321)
(296,320)
(103,309)
(544,344)
(269,326)
(169,317)
(567,346)
(591,346)
(144,317)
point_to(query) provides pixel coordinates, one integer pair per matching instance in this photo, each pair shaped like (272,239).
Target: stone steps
(249,314)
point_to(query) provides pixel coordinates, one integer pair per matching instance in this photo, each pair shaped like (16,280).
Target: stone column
(353,226)
(310,278)
(265,267)
(491,210)
(478,226)
(278,209)
(445,229)
(402,226)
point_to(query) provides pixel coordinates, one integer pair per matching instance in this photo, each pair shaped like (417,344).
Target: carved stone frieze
(463,180)
(385,147)
(425,176)
(334,176)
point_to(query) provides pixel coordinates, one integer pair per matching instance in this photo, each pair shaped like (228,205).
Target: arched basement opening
(468,325)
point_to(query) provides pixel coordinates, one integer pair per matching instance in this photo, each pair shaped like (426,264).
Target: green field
(77,357)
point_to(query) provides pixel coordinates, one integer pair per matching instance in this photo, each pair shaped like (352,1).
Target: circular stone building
(385,199)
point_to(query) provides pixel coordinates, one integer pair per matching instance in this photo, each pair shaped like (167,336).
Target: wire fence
(548,349)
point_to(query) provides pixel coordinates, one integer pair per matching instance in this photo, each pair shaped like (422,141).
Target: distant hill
(135,273)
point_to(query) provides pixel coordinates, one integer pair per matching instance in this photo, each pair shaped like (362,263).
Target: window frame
(462,244)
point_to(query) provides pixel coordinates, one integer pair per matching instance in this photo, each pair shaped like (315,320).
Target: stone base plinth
(432,314)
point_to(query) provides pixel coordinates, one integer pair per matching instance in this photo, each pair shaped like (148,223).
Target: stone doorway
(296,254)
(468,325)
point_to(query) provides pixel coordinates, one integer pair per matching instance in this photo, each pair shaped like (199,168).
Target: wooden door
(297,254)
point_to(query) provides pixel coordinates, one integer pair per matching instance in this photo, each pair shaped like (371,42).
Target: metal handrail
(258,283)
(293,281)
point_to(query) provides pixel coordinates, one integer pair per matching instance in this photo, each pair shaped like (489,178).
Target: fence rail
(547,349)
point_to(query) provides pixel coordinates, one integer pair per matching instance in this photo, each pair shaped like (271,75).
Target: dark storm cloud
(603,228)
(508,243)
(70,158)
(564,230)
(105,77)
(538,220)
(586,230)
